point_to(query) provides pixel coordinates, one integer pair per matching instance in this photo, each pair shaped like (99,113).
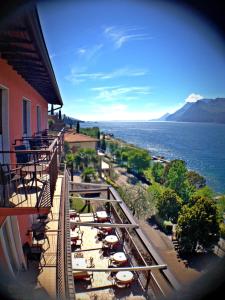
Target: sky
(131,60)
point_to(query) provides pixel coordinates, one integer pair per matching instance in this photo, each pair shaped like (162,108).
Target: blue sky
(131,60)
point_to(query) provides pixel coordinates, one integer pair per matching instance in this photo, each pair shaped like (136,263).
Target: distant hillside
(204,110)
(163,118)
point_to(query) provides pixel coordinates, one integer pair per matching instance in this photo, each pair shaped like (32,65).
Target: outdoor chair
(40,236)
(33,253)
(22,158)
(11,177)
(36,144)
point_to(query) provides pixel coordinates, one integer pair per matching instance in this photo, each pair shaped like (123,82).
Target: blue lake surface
(201,145)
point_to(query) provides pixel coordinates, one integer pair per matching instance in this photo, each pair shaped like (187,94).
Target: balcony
(94,263)
(30,182)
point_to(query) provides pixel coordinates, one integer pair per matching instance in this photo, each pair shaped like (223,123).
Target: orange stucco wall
(24,222)
(18,89)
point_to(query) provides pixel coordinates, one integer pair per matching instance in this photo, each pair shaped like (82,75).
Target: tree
(176,176)
(196,179)
(138,160)
(137,199)
(86,157)
(103,143)
(67,149)
(198,225)
(157,172)
(169,205)
(204,192)
(78,127)
(89,174)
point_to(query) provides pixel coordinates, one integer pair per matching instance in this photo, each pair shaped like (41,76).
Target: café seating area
(100,248)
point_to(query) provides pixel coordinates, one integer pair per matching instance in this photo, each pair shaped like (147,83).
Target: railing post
(148,280)
(71,171)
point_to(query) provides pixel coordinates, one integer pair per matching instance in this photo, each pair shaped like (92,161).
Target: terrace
(30,181)
(111,257)
(84,249)
(36,188)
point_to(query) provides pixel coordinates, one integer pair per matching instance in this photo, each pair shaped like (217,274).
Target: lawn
(79,205)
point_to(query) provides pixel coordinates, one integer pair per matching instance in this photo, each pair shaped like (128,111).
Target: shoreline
(156,158)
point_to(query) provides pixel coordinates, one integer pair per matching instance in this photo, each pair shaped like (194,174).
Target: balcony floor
(40,282)
(18,196)
(101,287)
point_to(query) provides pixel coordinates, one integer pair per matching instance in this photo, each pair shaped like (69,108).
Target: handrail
(146,243)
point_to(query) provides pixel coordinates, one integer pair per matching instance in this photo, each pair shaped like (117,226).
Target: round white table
(101,215)
(74,234)
(106,228)
(111,239)
(124,276)
(120,257)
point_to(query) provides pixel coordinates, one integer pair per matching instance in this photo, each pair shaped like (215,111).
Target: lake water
(201,145)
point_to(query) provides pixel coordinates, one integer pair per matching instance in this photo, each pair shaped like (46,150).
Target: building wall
(76,146)
(18,89)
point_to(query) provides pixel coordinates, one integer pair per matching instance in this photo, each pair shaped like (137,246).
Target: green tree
(196,179)
(86,157)
(176,176)
(169,205)
(157,172)
(198,225)
(89,174)
(78,127)
(204,192)
(69,159)
(139,160)
(137,199)
(103,143)
(220,203)
(67,149)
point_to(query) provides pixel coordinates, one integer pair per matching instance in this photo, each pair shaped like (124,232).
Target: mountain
(163,118)
(178,114)
(204,110)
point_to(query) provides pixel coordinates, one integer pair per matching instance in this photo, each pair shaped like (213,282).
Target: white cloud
(89,53)
(81,51)
(121,93)
(121,35)
(193,97)
(77,77)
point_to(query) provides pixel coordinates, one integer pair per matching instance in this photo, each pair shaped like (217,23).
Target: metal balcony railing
(140,250)
(30,181)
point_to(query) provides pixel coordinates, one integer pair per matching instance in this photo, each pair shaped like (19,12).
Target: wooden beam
(14,40)
(90,184)
(89,191)
(17,49)
(112,225)
(18,211)
(96,199)
(142,268)
(20,57)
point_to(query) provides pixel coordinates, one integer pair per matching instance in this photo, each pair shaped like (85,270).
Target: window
(38,119)
(0,111)
(26,117)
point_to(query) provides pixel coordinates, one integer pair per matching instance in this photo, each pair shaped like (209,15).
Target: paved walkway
(163,244)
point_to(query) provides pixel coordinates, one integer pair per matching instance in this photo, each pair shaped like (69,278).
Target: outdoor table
(74,234)
(73,214)
(101,215)
(111,239)
(124,276)
(38,227)
(120,257)
(106,228)
(34,169)
(73,223)
(79,262)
